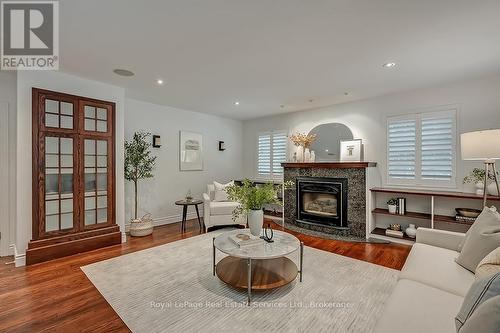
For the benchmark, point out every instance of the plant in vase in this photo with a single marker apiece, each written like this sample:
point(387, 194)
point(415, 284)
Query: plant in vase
point(252, 199)
point(139, 164)
point(304, 141)
point(392, 205)
point(476, 177)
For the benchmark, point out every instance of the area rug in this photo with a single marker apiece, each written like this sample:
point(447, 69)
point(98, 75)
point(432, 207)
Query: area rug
point(170, 288)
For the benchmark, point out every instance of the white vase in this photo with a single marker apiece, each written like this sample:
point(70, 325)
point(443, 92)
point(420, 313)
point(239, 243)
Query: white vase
point(300, 154)
point(492, 189)
point(411, 231)
point(479, 188)
point(307, 155)
point(392, 209)
point(313, 156)
point(255, 221)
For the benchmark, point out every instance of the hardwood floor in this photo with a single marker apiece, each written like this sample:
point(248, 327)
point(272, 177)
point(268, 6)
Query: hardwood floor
point(56, 296)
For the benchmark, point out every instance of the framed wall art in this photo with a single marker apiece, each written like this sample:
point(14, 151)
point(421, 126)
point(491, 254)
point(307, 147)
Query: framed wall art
point(190, 151)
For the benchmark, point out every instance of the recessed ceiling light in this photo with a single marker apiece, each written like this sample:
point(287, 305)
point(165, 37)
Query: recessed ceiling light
point(123, 72)
point(389, 64)
point(236, 103)
point(159, 81)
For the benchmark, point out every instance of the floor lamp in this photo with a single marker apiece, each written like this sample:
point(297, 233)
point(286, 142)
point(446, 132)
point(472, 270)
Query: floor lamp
point(482, 146)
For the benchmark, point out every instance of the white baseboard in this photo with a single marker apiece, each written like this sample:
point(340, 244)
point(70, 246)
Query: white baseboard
point(19, 258)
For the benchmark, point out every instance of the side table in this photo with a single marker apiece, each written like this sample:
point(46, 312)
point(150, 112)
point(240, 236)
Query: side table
point(185, 204)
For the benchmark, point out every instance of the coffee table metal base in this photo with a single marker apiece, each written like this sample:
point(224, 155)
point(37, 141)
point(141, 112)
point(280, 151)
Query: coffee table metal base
point(257, 274)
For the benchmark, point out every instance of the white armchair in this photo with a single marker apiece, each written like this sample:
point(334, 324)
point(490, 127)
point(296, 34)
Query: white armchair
point(219, 212)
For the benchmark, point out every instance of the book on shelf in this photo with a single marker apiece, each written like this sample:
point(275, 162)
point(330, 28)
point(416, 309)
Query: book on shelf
point(401, 206)
point(394, 233)
point(243, 240)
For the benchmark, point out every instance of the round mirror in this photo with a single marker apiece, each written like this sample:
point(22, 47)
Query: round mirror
point(328, 137)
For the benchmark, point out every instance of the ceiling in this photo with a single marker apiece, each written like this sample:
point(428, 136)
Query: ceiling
point(276, 56)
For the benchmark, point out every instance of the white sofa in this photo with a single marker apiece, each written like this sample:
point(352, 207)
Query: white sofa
point(217, 213)
point(431, 286)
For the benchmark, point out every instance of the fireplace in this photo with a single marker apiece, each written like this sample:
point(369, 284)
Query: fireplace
point(322, 201)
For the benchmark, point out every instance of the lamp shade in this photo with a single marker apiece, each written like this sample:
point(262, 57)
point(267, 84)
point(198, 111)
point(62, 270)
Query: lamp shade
point(481, 145)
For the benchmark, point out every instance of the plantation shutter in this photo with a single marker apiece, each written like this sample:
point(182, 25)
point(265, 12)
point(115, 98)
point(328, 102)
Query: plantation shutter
point(271, 153)
point(402, 148)
point(279, 143)
point(437, 147)
point(264, 155)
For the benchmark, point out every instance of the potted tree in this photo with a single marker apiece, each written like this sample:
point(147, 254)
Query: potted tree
point(252, 199)
point(139, 164)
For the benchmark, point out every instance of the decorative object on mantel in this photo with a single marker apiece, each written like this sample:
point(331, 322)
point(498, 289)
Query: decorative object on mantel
point(222, 146)
point(392, 205)
point(313, 157)
point(411, 231)
point(330, 165)
point(327, 145)
point(351, 150)
point(191, 151)
point(156, 141)
point(304, 141)
point(482, 146)
point(139, 164)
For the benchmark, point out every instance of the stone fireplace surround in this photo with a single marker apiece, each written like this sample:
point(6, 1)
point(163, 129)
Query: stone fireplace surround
point(354, 172)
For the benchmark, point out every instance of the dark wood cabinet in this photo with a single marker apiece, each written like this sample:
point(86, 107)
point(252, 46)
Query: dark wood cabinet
point(73, 175)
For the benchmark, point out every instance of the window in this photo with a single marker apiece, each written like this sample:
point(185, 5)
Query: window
point(271, 152)
point(421, 149)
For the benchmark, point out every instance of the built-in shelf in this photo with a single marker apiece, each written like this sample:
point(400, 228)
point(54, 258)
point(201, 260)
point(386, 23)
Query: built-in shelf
point(422, 216)
point(378, 220)
point(447, 194)
point(381, 232)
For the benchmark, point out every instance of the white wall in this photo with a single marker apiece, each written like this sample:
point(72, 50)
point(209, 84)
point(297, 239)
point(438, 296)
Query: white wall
point(157, 195)
point(66, 83)
point(479, 108)
point(8, 82)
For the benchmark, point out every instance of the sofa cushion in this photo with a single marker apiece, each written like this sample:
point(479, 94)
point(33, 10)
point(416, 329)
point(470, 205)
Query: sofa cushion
point(221, 191)
point(211, 191)
point(485, 319)
point(436, 267)
point(489, 265)
point(416, 307)
point(482, 238)
point(222, 207)
point(481, 291)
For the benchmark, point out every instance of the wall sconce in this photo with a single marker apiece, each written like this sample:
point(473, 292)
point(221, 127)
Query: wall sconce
point(156, 141)
point(222, 146)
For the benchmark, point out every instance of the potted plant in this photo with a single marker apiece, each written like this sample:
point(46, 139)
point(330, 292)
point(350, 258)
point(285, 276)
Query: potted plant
point(252, 199)
point(139, 165)
point(476, 177)
point(392, 204)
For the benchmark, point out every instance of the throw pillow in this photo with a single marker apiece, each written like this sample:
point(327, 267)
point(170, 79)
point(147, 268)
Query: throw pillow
point(479, 293)
point(489, 265)
point(485, 319)
point(221, 191)
point(482, 238)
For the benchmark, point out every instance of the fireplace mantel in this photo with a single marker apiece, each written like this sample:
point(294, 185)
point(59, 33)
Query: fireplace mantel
point(330, 165)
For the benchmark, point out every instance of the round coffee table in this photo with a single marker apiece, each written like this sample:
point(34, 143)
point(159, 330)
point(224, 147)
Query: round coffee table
point(258, 267)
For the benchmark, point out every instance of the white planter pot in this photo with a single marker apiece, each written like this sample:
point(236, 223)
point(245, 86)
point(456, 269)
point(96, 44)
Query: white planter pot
point(392, 209)
point(411, 231)
point(480, 188)
point(139, 228)
point(255, 221)
point(492, 189)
